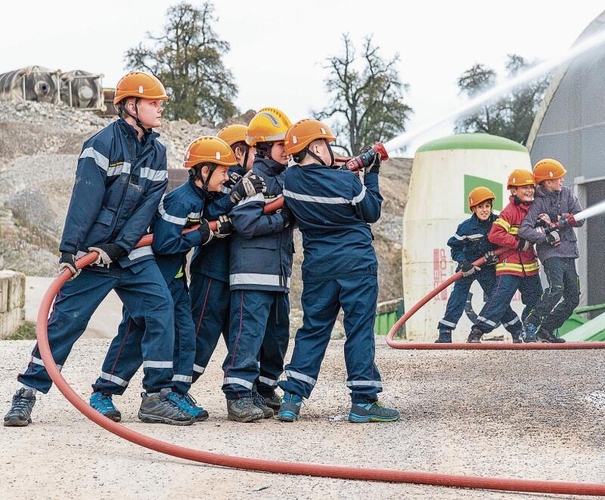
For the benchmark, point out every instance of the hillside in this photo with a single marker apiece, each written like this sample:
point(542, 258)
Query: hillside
point(39, 144)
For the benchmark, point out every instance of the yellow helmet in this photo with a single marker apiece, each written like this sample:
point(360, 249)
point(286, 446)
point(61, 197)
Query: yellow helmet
point(233, 134)
point(139, 84)
point(268, 125)
point(479, 195)
point(303, 133)
point(209, 149)
point(548, 169)
point(520, 177)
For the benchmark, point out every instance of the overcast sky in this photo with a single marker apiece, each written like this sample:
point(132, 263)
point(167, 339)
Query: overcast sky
point(279, 48)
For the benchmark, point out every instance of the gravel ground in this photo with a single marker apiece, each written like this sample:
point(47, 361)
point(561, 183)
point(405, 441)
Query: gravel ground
point(505, 414)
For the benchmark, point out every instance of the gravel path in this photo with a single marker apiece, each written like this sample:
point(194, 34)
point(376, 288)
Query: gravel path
point(509, 414)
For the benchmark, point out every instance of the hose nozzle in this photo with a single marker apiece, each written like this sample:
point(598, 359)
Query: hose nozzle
point(366, 158)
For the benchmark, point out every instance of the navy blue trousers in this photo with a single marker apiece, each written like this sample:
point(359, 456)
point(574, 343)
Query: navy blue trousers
point(258, 341)
point(145, 297)
point(321, 302)
point(210, 300)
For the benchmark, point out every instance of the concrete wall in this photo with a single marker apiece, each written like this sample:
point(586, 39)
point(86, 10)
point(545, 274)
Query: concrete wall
point(12, 302)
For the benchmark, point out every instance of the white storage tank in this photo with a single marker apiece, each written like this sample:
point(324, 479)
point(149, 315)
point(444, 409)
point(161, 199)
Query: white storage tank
point(444, 172)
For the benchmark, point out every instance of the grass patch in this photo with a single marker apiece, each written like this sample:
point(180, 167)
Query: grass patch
point(27, 331)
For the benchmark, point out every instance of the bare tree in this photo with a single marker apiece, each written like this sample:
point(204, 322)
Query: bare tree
point(366, 104)
point(187, 58)
point(511, 116)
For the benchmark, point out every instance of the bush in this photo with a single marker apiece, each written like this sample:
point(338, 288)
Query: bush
point(27, 331)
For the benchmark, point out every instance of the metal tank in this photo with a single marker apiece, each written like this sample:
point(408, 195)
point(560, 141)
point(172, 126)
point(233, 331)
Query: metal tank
point(82, 90)
point(33, 83)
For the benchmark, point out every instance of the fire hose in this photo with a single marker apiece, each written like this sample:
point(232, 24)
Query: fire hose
point(260, 465)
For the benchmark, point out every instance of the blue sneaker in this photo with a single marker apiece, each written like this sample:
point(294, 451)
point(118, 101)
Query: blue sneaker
point(102, 402)
point(529, 333)
point(372, 412)
point(186, 403)
point(290, 407)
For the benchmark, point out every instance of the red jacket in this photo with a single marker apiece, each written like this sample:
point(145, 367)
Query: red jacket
point(504, 233)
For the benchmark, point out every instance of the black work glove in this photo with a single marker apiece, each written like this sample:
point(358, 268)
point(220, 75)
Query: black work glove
point(206, 233)
point(108, 253)
point(224, 227)
point(68, 261)
point(523, 245)
point(374, 166)
point(249, 185)
point(553, 238)
point(287, 215)
point(490, 259)
point(468, 268)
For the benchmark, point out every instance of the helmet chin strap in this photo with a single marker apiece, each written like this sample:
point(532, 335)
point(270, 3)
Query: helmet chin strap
point(319, 160)
point(136, 116)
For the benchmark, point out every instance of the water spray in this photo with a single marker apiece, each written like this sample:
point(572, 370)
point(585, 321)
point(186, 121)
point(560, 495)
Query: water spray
point(521, 79)
point(597, 209)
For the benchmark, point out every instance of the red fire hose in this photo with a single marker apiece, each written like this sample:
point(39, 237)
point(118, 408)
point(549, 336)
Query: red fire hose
point(317, 470)
point(404, 344)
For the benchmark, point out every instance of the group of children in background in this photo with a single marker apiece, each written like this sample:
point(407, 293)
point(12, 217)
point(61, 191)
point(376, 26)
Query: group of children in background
point(540, 214)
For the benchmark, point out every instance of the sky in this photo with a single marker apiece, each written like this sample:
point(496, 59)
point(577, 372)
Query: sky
point(278, 49)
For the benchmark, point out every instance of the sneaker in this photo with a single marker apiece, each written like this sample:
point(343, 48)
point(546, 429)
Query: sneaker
point(101, 401)
point(546, 336)
point(21, 409)
point(290, 407)
point(475, 336)
point(445, 337)
point(372, 412)
point(516, 339)
point(259, 402)
point(273, 401)
point(529, 333)
point(161, 408)
point(189, 405)
point(243, 409)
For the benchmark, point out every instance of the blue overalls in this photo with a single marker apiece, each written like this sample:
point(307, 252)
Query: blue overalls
point(260, 267)
point(209, 286)
point(178, 210)
point(334, 211)
point(119, 183)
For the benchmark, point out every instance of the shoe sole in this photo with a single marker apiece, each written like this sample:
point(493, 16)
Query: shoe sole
point(363, 419)
point(202, 416)
point(17, 423)
point(116, 417)
point(246, 419)
point(287, 416)
point(154, 419)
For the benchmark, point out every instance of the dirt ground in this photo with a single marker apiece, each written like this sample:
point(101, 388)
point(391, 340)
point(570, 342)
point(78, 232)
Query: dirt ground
point(493, 414)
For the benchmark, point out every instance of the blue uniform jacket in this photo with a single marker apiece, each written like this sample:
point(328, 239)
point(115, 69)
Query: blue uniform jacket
point(334, 211)
point(261, 248)
point(212, 260)
point(119, 183)
point(470, 241)
point(554, 204)
point(179, 209)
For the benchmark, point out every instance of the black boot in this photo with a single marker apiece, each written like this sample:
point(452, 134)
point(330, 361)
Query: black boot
point(445, 337)
point(475, 336)
point(546, 336)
